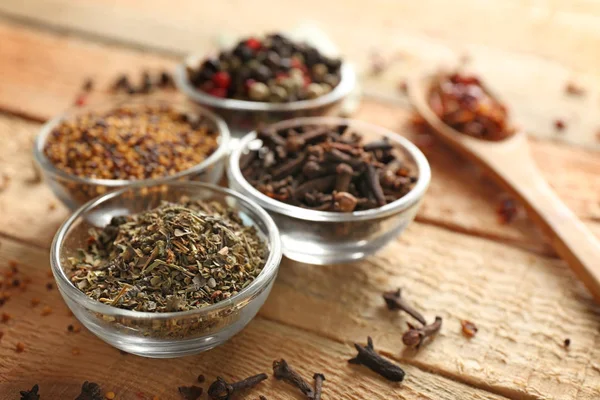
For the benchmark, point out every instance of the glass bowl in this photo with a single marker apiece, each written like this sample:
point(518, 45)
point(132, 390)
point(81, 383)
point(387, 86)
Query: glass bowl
point(322, 237)
point(74, 190)
point(242, 116)
point(173, 334)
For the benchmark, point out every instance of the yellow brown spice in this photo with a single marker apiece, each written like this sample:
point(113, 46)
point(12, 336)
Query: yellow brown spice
point(131, 142)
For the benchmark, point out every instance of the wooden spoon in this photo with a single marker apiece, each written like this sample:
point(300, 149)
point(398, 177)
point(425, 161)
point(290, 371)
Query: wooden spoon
point(510, 163)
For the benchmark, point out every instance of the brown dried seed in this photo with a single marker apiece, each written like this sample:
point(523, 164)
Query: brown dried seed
point(13, 264)
point(469, 329)
point(47, 310)
point(574, 89)
point(20, 347)
point(6, 317)
point(35, 301)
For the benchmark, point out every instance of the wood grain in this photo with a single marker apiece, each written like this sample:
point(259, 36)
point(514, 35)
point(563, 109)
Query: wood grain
point(43, 74)
point(510, 163)
point(525, 306)
point(48, 358)
point(548, 43)
point(459, 198)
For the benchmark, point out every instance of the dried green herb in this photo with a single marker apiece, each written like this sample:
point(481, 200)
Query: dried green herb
point(90, 391)
point(175, 257)
point(190, 392)
point(31, 394)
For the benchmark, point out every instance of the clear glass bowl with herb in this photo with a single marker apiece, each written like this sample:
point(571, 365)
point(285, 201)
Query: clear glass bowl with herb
point(75, 189)
point(162, 334)
point(315, 236)
point(242, 116)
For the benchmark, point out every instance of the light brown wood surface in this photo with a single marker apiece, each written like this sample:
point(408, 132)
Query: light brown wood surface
point(456, 261)
point(509, 162)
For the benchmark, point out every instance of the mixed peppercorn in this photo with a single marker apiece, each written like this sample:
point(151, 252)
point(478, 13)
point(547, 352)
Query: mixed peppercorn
point(274, 69)
point(131, 142)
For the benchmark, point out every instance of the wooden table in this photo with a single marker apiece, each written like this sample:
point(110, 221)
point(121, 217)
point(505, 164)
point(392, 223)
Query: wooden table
point(456, 261)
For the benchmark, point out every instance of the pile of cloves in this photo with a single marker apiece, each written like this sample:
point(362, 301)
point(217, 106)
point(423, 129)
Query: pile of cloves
point(327, 168)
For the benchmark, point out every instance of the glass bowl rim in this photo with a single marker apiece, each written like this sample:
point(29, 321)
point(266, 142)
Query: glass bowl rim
point(399, 205)
point(267, 274)
point(49, 168)
point(343, 88)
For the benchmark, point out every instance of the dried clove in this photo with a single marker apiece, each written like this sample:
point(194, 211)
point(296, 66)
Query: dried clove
point(368, 357)
point(282, 371)
point(90, 391)
point(344, 177)
point(318, 160)
point(415, 336)
point(319, 378)
point(190, 392)
point(30, 394)
point(221, 390)
point(394, 301)
point(375, 185)
point(88, 85)
point(166, 80)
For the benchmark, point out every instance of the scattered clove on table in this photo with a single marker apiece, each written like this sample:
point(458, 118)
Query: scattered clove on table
point(415, 336)
point(221, 390)
point(30, 394)
point(368, 357)
point(319, 379)
point(282, 371)
point(394, 301)
point(90, 391)
point(190, 392)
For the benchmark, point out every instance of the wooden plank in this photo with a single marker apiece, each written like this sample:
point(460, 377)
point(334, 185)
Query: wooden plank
point(48, 358)
point(524, 305)
point(547, 45)
point(28, 210)
point(43, 73)
point(458, 198)
point(548, 29)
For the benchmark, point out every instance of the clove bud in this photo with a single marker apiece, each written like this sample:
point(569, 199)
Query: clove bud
point(221, 390)
point(415, 337)
point(282, 371)
point(376, 363)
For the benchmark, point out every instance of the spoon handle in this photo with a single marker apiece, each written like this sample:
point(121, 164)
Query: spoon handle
point(571, 239)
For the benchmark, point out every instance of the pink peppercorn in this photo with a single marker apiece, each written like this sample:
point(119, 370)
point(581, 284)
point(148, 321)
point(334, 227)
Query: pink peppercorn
point(218, 92)
point(222, 79)
point(253, 43)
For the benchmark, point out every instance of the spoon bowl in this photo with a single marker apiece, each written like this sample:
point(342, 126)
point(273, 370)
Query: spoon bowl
point(509, 162)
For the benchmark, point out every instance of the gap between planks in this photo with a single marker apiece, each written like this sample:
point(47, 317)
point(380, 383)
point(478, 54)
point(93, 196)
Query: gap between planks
point(463, 380)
